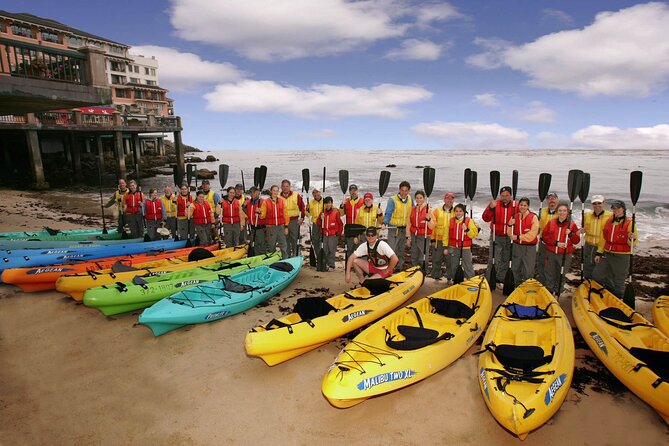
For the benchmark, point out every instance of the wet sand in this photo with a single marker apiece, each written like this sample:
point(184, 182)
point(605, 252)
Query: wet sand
point(69, 375)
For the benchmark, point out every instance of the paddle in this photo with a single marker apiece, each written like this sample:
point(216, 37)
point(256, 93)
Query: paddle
point(321, 252)
point(472, 192)
point(574, 181)
point(509, 279)
point(256, 176)
point(428, 183)
point(305, 187)
point(178, 175)
point(102, 205)
point(223, 170)
point(262, 176)
point(544, 186)
point(636, 178)
point(494, 190)
point(468, 179)
point(459, 275)
point(343, 181)
point(243, 182)
point(583, 195)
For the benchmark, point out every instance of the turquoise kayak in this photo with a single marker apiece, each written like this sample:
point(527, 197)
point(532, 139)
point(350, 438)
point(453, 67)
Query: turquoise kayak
point(71, 234)
point(220, 298)
point(144, 291)
point(14, 244)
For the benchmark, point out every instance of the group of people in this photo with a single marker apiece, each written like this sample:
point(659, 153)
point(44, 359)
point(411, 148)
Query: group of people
point(532, 245)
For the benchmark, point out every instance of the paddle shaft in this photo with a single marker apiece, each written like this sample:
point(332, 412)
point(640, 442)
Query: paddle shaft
point(102, 206)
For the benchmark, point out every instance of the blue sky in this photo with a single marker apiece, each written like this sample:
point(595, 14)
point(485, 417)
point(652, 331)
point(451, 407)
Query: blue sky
point(330, 74)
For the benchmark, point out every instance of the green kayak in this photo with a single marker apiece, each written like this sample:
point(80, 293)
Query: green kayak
point(144, 291)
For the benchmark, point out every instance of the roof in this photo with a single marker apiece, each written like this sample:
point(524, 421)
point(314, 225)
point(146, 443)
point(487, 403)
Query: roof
point(30, 18)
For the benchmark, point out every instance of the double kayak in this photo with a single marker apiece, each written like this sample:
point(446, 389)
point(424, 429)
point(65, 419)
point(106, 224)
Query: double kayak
point(41, 278)
point(526, 364)
point(634, 350)
point(22, 258)
point(221, 298)
point(143, 292)
point(409, 345)
point(70, 234)
point(49, 244)
point(661, 314)
point(315, 321)
point(76, 284)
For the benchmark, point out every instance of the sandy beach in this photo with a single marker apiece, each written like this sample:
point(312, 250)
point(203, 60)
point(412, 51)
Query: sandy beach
point(70, 376)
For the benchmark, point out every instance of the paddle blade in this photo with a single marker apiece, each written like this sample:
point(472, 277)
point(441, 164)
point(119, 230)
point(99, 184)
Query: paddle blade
point(323, 180)
point(312, 257)
point(459, 276)
point(585, 187)
point(428, 180)
point(252, 250)
point(472, 184)
point(384, 181)
point(635, 186)
point(223, 171)
point(305, 180)
point(514, 183)
point(509, 283)
point(494, 183)
point(321, 260)
point(574, 183)
point(256, 176)
point(492, 280)
point(262, 176)
point(544, 185)
point(243, 182)
point(189, 173)
point(177, 175)
point(628, 297)
point(468, 179)
point(343, 181)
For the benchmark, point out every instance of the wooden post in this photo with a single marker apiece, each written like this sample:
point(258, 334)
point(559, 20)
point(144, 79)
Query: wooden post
point(32, 140)
point(120, 156)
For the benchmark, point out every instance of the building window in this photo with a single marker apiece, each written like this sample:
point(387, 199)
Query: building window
point(117, 66)
point(23, 31)
point(139, 94)
point(115, 49)
point(136, 69)
point(146, 71)
point(94, 43)
point(134, 80)
point(121, 93)
point(118, 80)
point(153, 71)
point(153, 83)
point(50, 37)
point(74, 41)
point(3, 28)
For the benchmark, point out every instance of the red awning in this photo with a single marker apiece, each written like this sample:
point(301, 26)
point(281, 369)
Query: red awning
point(92, 110)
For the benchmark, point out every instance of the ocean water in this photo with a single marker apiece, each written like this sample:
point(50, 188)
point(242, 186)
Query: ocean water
point(609, 173)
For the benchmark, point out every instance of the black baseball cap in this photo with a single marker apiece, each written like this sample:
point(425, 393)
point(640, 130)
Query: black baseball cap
point(506, 189)
point(371, 231)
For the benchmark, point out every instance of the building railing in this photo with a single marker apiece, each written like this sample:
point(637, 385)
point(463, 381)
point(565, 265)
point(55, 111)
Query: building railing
point(80, 119)
point(40, 62)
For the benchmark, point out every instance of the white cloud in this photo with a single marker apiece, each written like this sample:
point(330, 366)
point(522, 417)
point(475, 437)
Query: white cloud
point(414, 49)
point(473, 135)
point(384, 100)
point(427, 14)
point(606, 137)
point(487, 100)
point(557, 16)
point(322, 133)
point(287, 29)
point(537, 112)
point(622, 53)
point(186, 71)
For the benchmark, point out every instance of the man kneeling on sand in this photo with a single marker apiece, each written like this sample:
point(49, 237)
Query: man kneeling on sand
point(381, 259)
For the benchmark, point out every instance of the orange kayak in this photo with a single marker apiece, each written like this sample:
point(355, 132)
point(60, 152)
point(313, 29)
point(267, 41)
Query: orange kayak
point(41, 278)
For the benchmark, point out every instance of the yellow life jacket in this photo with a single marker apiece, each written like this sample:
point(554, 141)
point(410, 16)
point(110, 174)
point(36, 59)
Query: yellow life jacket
point(545, 217)
point(169, 205)
point(594, 226)
point(367, 217)
point(118, 197)
point(291, 205)
point(442, 217)
point(401, 212)
point(315, 209)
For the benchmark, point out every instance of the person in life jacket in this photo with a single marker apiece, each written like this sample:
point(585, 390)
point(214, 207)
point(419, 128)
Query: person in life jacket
point(154, 214)
point(256, 208)
point(593, 230)
point(439, 237)
point(396, 219)
point(461, 231)
point(350, 208)
point(212, 197)
point(117, 199)
point(523, 230)
point(132, 208)
point(232, 218)
point(614, 249)
point(203, 218)
point(296, 211)
point(380, 262)
point(420, 225)
point(184, 201)
point(498, 213)
point(560, 235)
point(314, 209)
point(240, 195)
point(276, 222)
point(331, 229)
point(169, 201)
point(369, 215)
point(546, 214)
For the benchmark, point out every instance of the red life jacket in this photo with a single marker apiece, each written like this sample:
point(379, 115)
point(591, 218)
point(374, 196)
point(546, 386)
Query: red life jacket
point(376, 259)
point(351, 210)
point(275, 212)
point(456, 235)
point(502, 214)
point(555, 232)
point(251, 207)
point(153, 210)
point(181, 204)
point(616, 236)
point(522, 226)
point(202, 213)
point(230, 211)
point(418, 222)
point(331, 222)
point(133, 202)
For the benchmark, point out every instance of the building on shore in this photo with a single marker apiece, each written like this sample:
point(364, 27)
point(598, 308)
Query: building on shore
point(70, 98)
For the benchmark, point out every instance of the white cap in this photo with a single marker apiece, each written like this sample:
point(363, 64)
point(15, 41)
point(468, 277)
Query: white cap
point(597, 199)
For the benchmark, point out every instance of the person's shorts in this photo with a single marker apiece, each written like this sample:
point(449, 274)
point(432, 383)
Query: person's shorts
point(386, 272)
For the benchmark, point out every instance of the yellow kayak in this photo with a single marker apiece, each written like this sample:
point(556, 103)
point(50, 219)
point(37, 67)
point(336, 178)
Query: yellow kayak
point(661, 314)
point(527, 360)
point(76, 285)
point(634, 350)
point(410, 344)
point(317, 321)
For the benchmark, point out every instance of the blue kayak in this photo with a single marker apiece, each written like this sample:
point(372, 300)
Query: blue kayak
point(64, 234)
point(50, 244)
point(220, 298)
point(22, 258)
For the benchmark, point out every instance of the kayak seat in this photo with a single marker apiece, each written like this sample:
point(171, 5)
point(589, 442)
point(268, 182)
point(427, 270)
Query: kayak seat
point(312, 307)
point(199, 254)
point(377, 286)
point(616, 314)
point(119, 267)
point(655, 360)
point(527, 311)
point(236, 287)
point(415, 337)
point(520, 357)
point(282, 266)
point(453, 309)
